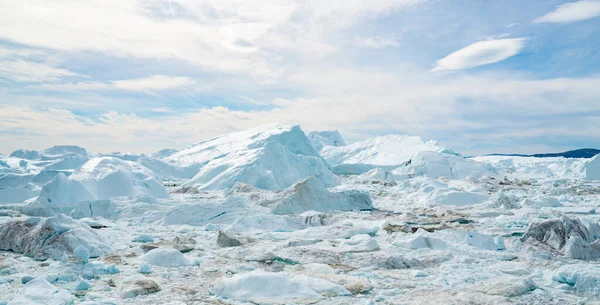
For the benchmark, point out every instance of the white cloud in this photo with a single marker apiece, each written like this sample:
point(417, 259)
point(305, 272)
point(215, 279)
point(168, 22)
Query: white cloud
point(153, 83)
point(571, 12)
point(377, 42)
point(363, 102)
point(146, 84)
point(29, 71)
point(233, 36)
point(481, 53)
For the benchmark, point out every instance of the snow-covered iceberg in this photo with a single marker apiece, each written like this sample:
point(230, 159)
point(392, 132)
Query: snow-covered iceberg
point(270, 157)
point(592, 168)
point(389, 152)
point(311, 194)
point(320, 139)
point(100, 178)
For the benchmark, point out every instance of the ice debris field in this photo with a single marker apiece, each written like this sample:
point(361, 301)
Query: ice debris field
point(271, 215)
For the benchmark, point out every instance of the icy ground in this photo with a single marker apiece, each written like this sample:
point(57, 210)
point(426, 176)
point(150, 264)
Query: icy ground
point(258, 217)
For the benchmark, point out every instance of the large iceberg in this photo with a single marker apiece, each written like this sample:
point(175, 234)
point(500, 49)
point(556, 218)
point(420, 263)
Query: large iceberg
point(388, 151)
point(435, 164)
point(311, 195)
point(592, 168)
point(52, 237)
point(270, 157)
point(564, 236)
point(320, 139)
point(100, 178)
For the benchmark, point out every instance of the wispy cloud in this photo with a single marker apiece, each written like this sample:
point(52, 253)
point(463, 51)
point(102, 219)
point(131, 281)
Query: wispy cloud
point(481, 53)
point(29, 71)
point(429, 107)
point(377, 42)
point(572, 12)
point(152, 83)
point(146, 84)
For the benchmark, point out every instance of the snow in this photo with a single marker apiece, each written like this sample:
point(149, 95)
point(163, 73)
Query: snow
point(165, 257)
point(270, 157)
point(320, 139)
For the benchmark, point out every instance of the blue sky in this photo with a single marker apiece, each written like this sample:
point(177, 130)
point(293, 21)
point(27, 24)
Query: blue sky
point(141, 75)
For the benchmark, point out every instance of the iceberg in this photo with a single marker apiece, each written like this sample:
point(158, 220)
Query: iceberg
point(52, 237)
point(270, 157)
point(99, 178)
point(320, 139)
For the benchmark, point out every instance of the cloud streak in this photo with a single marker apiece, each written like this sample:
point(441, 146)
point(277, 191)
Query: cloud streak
point(481, 53)
point(572, 12)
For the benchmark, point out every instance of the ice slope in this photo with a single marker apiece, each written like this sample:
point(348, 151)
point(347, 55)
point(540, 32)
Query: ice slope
point(166, 171)
point(271, 157)
point(311, 195)
point(319, 139)
point(592, 168)
point(546, 168)
point(52, 237)
point(434, 165)
point(384, 151)
point(99, 178)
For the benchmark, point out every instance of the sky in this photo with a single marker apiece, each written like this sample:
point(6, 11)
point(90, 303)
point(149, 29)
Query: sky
point(479, 76)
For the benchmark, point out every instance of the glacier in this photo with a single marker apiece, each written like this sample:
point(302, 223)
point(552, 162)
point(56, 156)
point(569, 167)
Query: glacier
point(271, 215)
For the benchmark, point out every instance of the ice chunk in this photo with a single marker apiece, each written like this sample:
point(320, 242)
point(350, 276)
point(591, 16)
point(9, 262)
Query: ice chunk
point(484, 241)
point(266, 287)
point(423, 239)
point(542, 202)
point(145, 269)
point(51, 237)
point(144, 238)
point(165, 257)
point(312, 195)
point(138, 285)
point(584, 278)
point(39, 291)
point(82, 284)
point(81, 253)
